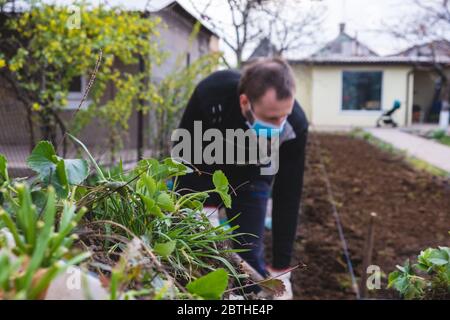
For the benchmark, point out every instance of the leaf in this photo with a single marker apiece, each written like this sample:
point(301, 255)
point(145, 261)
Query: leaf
point(446, 251)
point(97, 168)
point(221, 183)
point(176, 168)
point(3, 169)
point(165, 202)
point(276, 286)
point(77, 170)
point(61, 183)
point(165, 249)
point(438, 261)
point(393, 276)
point(210, 286)
point(150, 184)
point(43, 159)
point(151, 207)
point(54, 170)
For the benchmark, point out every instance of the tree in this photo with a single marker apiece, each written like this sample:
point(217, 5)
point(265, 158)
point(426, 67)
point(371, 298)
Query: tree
point(289, 24)
point(49, 45)
point(172, 94)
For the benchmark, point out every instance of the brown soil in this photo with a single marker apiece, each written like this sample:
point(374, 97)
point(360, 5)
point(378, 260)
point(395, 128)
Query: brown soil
point(413, 211)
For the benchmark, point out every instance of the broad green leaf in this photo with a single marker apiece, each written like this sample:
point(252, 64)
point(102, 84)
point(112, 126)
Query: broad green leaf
point(97, 168)
point(393, 276)
point(210, 286)
point(51, 169)
point(438, 261)
point(165, 202)
point(446, 251)
point(176, 168)
point(165, 249)
point(151, 207)
point(221, 183)
point(150, 184)
point(77, 170)
point(43, 159)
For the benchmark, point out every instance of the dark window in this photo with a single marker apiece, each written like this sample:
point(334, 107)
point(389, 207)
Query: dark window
point(75, 84)
point(362, 90)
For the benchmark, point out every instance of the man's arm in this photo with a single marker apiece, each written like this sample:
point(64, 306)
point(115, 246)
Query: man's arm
point(286, 194)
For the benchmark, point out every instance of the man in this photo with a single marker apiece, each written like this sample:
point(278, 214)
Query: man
point(260, 100)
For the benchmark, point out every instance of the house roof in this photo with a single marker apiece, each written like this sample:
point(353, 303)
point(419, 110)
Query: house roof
point(149, 6)
point(437, 48)
point(345, 50)
point(264, 49)
point(344, 45)
point(377, 60)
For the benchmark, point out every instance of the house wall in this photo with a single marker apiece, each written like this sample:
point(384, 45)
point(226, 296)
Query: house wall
point(324, 103)
point(175, 32)
point(303, 77)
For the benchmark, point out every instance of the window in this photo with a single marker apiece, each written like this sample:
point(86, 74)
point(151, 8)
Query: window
point(362, 91)
point(76, 92)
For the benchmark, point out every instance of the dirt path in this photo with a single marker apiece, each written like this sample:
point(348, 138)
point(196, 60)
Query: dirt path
point(413, 213)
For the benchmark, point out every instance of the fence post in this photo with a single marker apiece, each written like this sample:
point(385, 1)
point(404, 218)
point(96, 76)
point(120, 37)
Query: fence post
point(368, 249)
point(140, 117)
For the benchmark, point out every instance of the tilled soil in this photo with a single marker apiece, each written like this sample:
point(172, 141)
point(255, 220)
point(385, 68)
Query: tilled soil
point(413, 212)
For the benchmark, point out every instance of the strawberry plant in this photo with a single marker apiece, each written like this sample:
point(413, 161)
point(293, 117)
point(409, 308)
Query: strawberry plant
point(429, 278)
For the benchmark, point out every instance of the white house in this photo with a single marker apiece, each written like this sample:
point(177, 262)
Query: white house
point(347, 84)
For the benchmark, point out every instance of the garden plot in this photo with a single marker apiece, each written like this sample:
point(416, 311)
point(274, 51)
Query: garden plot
point(413, 211)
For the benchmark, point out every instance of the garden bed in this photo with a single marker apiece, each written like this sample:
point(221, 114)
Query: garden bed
point(413, 213)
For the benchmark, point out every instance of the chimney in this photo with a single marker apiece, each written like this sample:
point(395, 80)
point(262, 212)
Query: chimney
point(342, 27)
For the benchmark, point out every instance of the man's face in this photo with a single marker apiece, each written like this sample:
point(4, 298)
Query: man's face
point(268, 108)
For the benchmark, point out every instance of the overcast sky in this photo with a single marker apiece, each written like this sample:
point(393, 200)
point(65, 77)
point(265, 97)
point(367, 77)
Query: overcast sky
point(363, 18)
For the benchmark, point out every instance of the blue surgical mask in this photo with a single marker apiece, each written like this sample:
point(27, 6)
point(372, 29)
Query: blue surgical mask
point(262, 128)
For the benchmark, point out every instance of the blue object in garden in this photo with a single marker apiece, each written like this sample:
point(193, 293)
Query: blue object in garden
point(169, 184)
point(268, 223)
point(224, 224)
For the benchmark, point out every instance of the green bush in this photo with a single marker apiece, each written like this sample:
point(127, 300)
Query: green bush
point(429, 278)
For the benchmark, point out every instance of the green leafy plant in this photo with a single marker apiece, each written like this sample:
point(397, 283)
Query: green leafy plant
point(41, 249)
point(429, 278)
point(56, 171)
point(171, 223)
point(438, 134)
point(135, 217)
point(210, 286)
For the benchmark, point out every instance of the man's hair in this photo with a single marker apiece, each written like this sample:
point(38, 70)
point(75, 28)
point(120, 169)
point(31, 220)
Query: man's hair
point(264, 74)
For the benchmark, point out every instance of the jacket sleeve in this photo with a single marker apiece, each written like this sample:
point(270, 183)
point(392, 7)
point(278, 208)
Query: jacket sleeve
point(286, 194)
